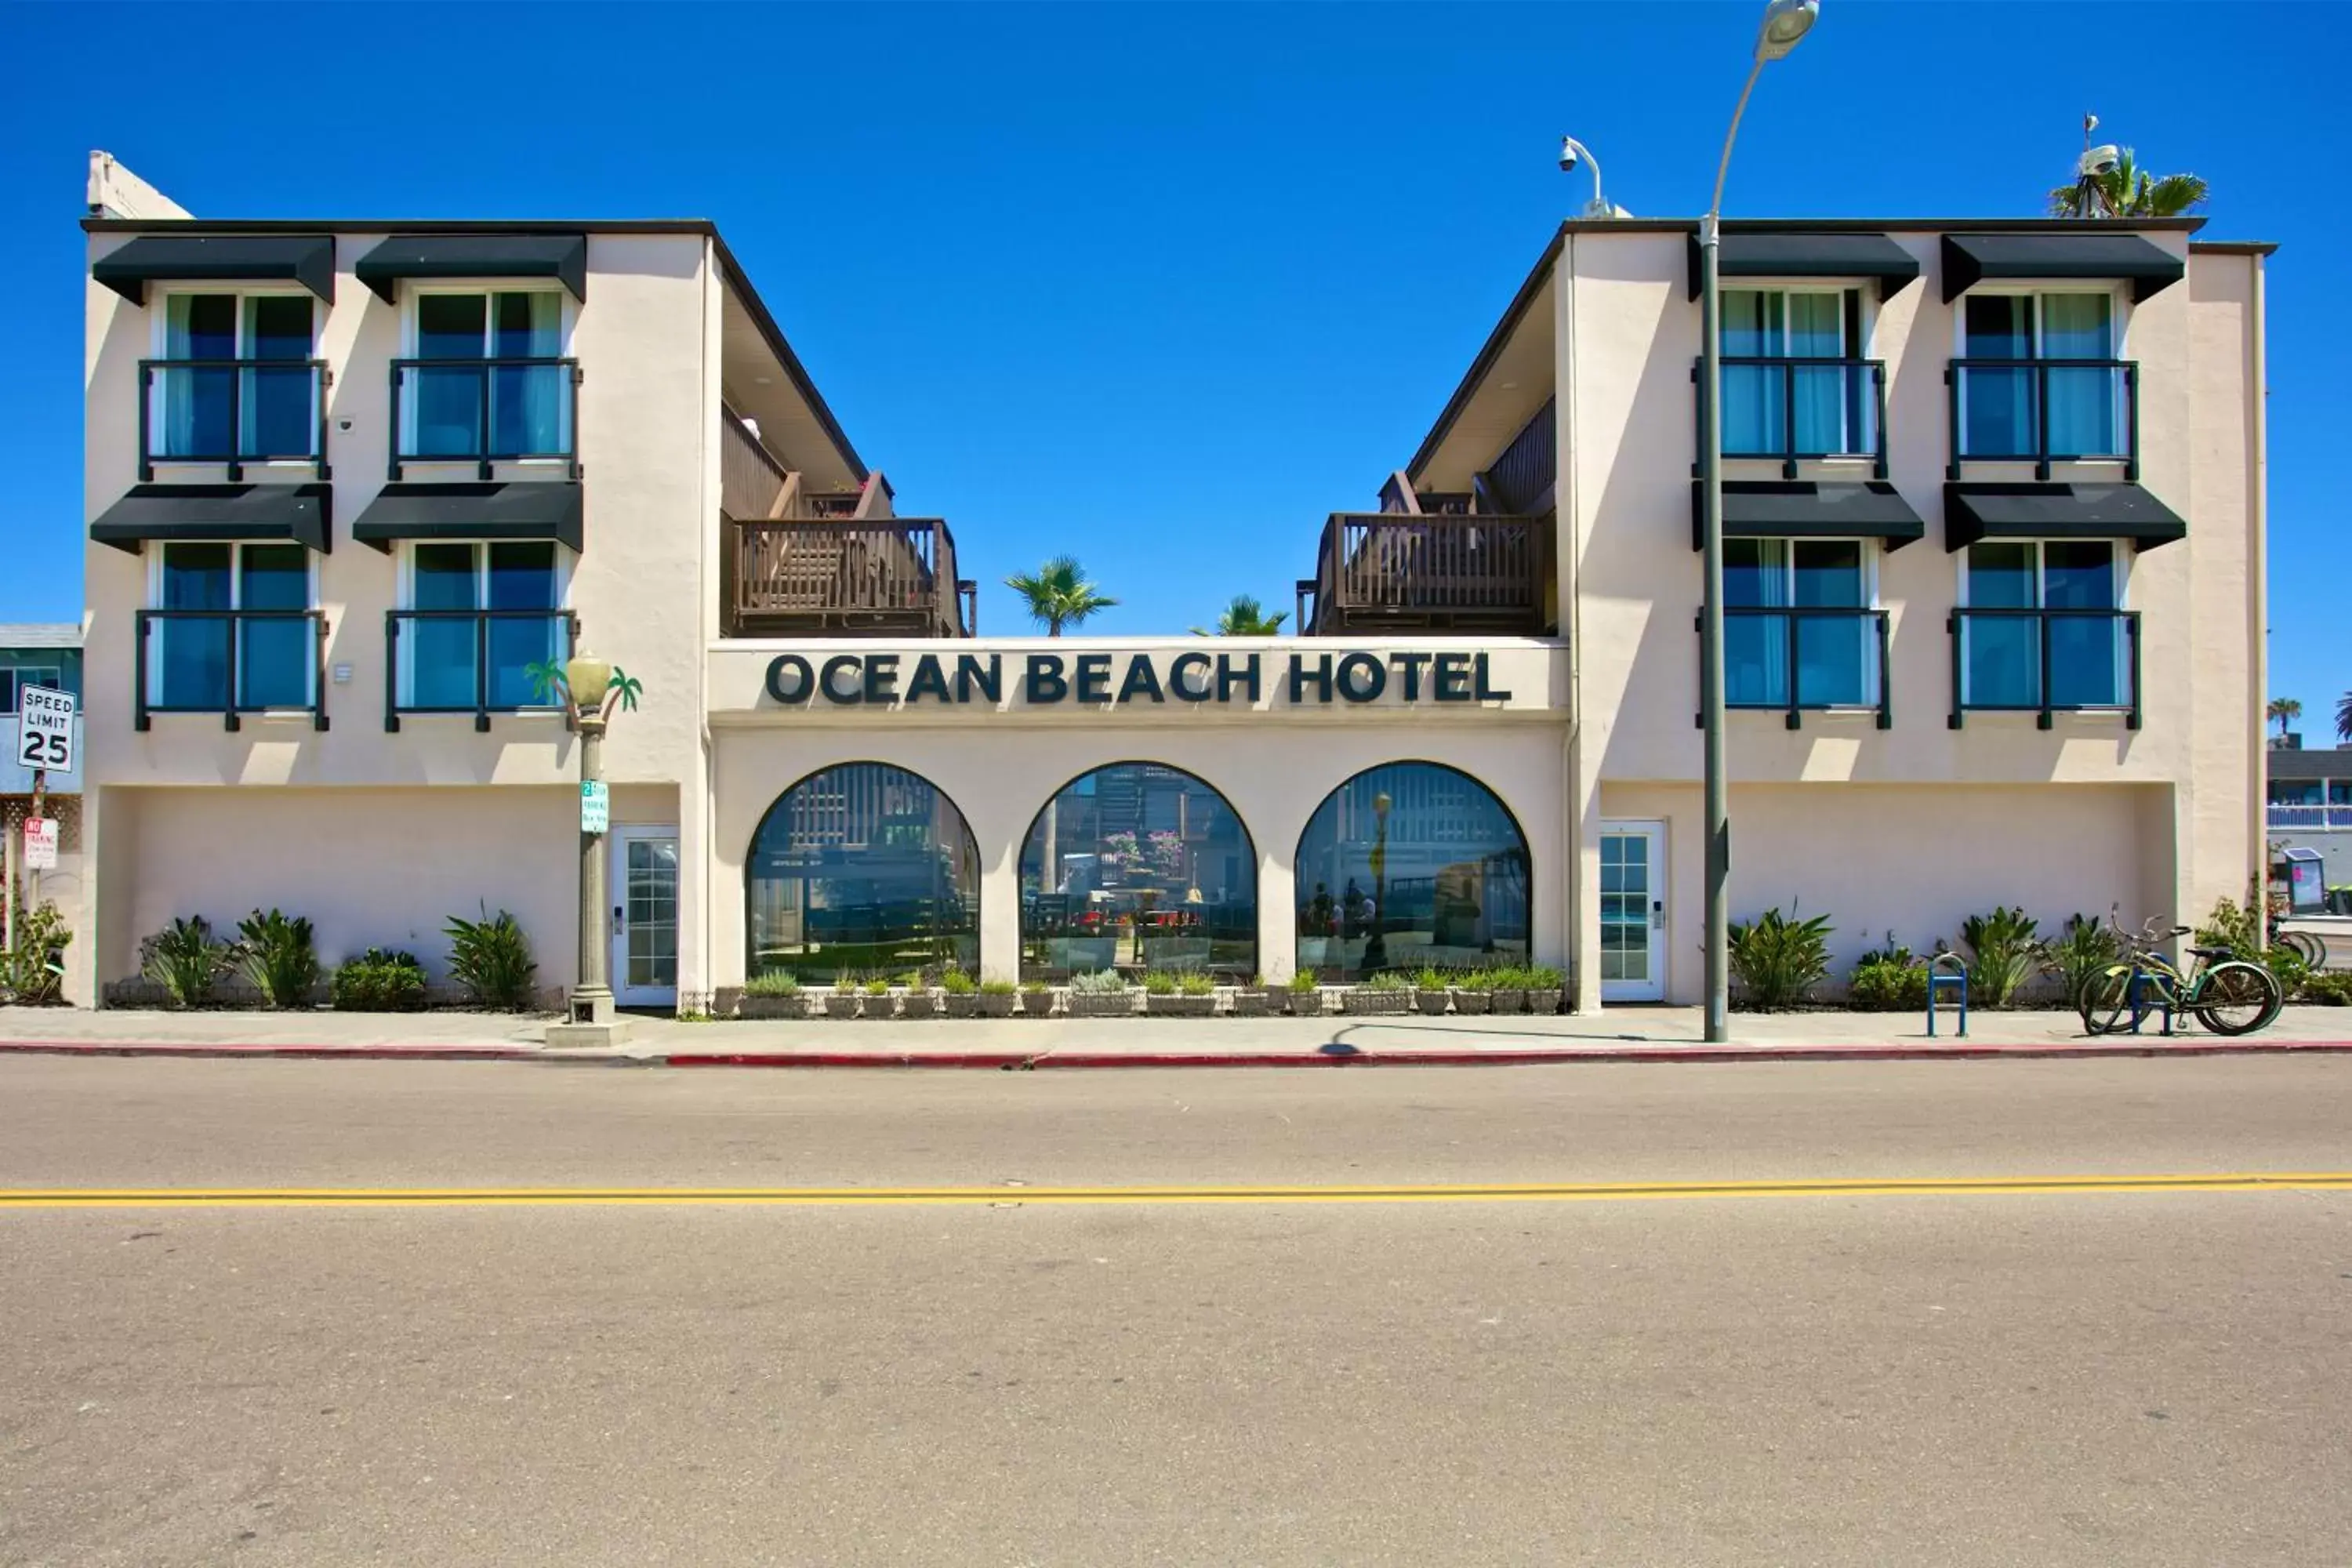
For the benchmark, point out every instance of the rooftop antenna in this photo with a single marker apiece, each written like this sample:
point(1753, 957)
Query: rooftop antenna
point(2092, 169)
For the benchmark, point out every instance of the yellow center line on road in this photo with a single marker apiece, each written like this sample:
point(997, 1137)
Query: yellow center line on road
point(886, 1197)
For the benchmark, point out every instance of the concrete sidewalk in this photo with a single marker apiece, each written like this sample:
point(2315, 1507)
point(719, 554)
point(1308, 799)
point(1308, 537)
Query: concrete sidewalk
point(1643, 1034)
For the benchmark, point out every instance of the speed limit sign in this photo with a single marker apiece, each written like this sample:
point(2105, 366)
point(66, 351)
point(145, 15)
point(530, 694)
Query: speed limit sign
point(45, 733)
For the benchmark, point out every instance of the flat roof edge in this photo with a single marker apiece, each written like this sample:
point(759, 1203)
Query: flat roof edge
point(2233, 248)
point(1890, 226)
point(397, 226)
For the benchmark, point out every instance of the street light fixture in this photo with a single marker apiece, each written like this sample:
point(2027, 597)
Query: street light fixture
point(1786, 22)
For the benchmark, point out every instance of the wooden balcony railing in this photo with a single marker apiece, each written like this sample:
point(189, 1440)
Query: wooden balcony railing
point(879, 577)
point(750, 479)
point(1377, 571)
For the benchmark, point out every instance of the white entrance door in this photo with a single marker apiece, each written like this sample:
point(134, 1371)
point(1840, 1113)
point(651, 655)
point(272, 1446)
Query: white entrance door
point(1633, 911)
point(644, 916)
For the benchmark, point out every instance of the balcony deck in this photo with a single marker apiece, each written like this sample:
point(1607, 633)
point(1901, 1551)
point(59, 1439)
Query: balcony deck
point(1419, 571)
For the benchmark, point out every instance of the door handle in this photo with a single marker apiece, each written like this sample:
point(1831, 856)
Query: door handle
point(1658, 913)
point(620, 917)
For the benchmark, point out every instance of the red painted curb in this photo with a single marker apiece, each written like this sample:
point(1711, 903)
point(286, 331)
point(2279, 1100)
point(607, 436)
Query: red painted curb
point(1025, 1061)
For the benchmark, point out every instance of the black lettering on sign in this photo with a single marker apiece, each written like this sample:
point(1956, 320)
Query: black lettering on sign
point(1410, 666)
point(1044, 683)
point(831, 690)
point(988, 678)
point(1453, 677)
point(881, 677)
point(930, 679)
point(1142, 680)
point(1300, 676)
point(1184, 691)
point(1094, 678)
point(790, 679)
point(1484, 688)
point(1229, 677)
point(1362, 677)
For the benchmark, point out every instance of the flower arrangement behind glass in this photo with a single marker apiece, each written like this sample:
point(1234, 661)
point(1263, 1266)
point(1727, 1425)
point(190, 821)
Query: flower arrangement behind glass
point(1118, 848)
point(1167, 852)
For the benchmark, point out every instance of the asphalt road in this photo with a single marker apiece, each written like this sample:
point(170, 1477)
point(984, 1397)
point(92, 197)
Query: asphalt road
point(2109, 1379)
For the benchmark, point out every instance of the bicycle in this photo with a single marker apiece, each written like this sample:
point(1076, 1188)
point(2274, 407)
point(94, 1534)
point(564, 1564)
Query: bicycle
point(2304, 944)
point(2226, 993)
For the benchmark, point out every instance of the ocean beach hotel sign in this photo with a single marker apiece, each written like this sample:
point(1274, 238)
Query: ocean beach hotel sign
point(1145, 678)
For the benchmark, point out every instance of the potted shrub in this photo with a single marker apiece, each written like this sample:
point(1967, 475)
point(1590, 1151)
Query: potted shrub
point(996, 999)
point(877, 997)
point(1100, 993)
point(1304, 995)
point(916, 1002)
point(1429, 992)
point(1251, 1001)
point(1384, 993)
point(378, 981)
point(1036, 999)
point(185, 960)
point(277, 957)
point(1474, 994)
point(1546, 989)
point(1508, 988)
point(774, 995)
point(960, 995)
point(840, 1002)
point(1188, 996)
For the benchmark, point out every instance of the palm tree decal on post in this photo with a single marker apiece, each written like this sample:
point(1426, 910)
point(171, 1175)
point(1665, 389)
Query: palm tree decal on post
point(2119, 187)
point(1244, 617)
point(1058, 594)
point(549, 684)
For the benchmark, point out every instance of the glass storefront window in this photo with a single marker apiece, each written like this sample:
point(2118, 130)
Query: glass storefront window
point(1137, 866)
point(864, 870)
point(1407, 865)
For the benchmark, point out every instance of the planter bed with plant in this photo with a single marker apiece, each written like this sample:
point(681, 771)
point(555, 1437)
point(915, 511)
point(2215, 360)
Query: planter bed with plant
point(1102, 994)
point(772, 997)
point(1188, 996)
point(1303, 997)
point(1252, 1000)
point(1036, 998)
point(1430, 994)
point(1381, 996)
point(959, 995)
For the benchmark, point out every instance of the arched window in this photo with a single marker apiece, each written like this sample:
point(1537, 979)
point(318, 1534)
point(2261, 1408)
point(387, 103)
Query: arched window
point(1137, 866)
point(1409, 865)
point(862, 868)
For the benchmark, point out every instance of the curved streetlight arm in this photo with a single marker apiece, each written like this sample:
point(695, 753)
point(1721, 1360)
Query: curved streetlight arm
point(1722, 169)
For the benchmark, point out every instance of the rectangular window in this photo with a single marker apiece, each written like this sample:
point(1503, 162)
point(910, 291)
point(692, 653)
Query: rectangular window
point(485, 399)
point(481, 646)
point(13, 678)
point(225, 587)
point(2002, 653)
point(2001, 400)
point(1795, 409)
point(1766, 584)
point(250, 393)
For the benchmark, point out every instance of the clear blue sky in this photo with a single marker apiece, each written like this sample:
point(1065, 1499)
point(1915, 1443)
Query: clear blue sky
point(1160, 287)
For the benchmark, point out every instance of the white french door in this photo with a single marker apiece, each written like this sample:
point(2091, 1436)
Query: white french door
point(644, 916)
point(1633, 911)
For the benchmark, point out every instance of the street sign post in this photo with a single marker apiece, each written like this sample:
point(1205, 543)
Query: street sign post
point(45, 737)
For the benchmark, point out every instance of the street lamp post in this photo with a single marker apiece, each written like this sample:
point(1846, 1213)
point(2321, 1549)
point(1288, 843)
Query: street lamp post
point(1785, 22)
point(587, 677)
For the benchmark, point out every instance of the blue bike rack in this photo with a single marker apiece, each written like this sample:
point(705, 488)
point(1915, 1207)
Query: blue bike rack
point(1953, 979)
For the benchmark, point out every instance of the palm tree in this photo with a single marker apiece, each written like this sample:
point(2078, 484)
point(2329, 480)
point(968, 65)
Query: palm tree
point(1059, 594)
point(2344, 719)
point(2283, 711)
point(2127, 190)
point(1245, 618)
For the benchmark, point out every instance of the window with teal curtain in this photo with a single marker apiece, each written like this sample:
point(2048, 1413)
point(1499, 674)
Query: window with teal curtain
point(2084, 400)
point(1752, 324)
point(445, 420)
point(528, 412)
point(519, 575)
point(192, 651)
point(196, 412)
point(2002, 653)
point(2085, 651)
point(442, 651)
point(275, 667)
point(279, 415)
point(1817, 330)
point(1756, 647)
point(1997, 402)
point(1837, 659)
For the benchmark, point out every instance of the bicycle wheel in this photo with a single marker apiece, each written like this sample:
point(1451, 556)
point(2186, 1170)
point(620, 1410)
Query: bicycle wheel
point(2306, 947)
point(2106, 999)
point(2237, 998)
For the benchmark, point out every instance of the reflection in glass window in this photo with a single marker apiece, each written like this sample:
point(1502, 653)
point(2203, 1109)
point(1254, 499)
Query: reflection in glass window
point(1137, 866)
point(862, 868)
point(1410, 864)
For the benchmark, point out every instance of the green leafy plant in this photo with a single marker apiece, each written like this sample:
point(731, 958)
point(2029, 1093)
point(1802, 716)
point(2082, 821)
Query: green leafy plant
point(1244, 617)
point(912, 979)
point(1001, 987)
point(773, 982)
point(1303, 981)
point(1431, 978)
point(1778, 959)
point(1477, 980)
point(2237, 927)
point(276, 954)
point(1160, 983)
point(1028, 988)
point(33, 974)
point(1544, 977)
point(1099, 983)
point(2333, 989)
point(2084, 949)
point(381, 980)
point(186, 960)
point(955, 982)
point(1057, 594)
point(1256, 982)
point(1883, 985)
point(490, 957)
point(1195, 984)
point(1388, 980)
point(878, 987)
point(2004, 950)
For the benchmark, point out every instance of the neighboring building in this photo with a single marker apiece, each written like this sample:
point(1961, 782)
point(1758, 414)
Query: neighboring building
point(48, 655)
point(2309, 805)
point(436, 454)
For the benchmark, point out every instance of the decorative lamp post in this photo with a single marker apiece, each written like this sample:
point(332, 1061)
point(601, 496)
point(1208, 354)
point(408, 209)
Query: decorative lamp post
point(1785, 23)
point(592, 689)
point(1376, 952)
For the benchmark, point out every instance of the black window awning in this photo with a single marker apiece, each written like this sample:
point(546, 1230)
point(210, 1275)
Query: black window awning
point(1976, 511)
point(1798, 254)
point(305, 259)
point(562, 256)
point(514, 508)
point(299, 514)
point(1971, 259)
point(1809, 509)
